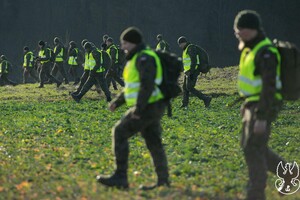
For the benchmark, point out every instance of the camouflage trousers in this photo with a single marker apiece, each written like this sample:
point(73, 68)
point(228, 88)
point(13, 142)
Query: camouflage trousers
point(259, 157)
point(150, 128)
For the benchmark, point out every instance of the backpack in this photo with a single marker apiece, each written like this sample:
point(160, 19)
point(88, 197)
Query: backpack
point(290, 69)
point(204, 59)
point(171, 67)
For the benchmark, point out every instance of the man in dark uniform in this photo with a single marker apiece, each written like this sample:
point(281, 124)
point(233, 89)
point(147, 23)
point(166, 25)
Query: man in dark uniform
point(96, 74)
point(5, 67)
point(259, 84)
point(142, 75)
point(112, 73)
point(44, 59)
point(59, 60)
point(86, 70)
point(28, 65)
point(73, 53)
point(192, 64)
point(162, 45)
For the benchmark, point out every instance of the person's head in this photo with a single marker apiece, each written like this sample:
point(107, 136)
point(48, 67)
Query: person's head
point(41, 44)
point(72, 44)
point(159, 37)
point(25, 49)
point(109, 41)
point(105, 37)
point(182, 41)
point(56, 40)
point(88, 47)
point(130, 38)
point(2, 57)
point(247, 24)
point(83, 42)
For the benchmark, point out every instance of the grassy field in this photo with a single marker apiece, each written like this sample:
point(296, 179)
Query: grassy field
point(53, 148)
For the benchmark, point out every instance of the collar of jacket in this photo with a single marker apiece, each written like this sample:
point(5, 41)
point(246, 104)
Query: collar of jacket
point(187, 44)
point(138, 48)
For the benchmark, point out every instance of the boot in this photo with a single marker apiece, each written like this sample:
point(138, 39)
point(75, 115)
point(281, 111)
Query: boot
point(76, 97)
point(207, 102)
point(158, 184)
point(118, 180)
point(58, 84)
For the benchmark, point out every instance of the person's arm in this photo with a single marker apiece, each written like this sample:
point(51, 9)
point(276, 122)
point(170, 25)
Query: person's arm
point(57, 50)
point(97, 56)
point(147, 71)
point(47, 55)
point(28, 56)
point(193, 55)
point(266, 67)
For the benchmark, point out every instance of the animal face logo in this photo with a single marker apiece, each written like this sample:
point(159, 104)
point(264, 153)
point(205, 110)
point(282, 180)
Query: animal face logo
point(288, 182)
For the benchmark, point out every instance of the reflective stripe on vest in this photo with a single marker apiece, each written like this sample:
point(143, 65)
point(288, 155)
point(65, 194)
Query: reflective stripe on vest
point(5, 70)
point(117, 52)
point(59, 56)
point(30, 60)
point(187, 60)
point(92, 61)
point(73, 59)
point(249, 84)
point(132, 79)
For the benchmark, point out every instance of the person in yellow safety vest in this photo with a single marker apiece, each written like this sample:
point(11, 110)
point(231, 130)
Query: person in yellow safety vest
point(96, 75)
point(142, 75)
point(5, 67)
point(73, 53)
point(259, 84)
point(58, 65)
point(191, 64)
point(86, 70)
point(113, 71)
point(162, 45)
point(44, 59)
point(28, 65)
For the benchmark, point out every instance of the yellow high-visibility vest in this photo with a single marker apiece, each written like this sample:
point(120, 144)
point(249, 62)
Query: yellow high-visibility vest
point(132, 79)
point(249, 84)
point(30, 60)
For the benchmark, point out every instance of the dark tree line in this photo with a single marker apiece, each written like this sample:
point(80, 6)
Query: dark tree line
point(208, 23)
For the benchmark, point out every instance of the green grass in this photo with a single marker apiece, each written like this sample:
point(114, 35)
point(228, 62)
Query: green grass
point(52, 147)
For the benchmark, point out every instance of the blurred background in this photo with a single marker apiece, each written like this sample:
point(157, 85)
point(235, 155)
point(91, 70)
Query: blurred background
point(208, 23)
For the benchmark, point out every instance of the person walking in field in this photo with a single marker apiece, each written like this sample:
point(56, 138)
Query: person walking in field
point(73, 53)
point(192, 58)
point(28, 65)
point(259, 84)
point(5, 67)
point(142, 75)
point(162, 45)
point(44, 58)
point(94, 61)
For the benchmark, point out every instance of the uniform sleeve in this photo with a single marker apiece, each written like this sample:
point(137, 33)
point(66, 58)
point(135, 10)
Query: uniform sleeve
point(266, 67)
point(28, 56)
point(147, 70)
point(193, 55)
point(57, 50)
point(96, 56)
point(113, 55)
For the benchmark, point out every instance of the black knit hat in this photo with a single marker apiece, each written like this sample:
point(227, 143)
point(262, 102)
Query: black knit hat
point(87, 45)
point(248, 19)
point(26, 48)
point(110, 39)
point(41, 43)
point(132, 35)
point(159, 36)
point(181, 39)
